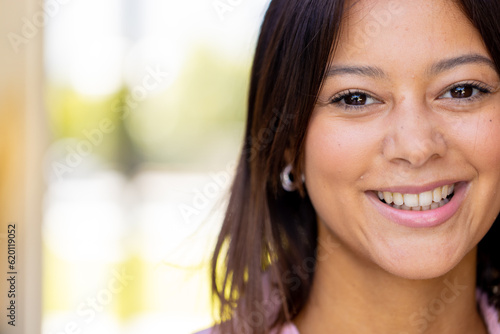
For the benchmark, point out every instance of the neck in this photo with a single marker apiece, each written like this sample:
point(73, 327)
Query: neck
point(349, 296)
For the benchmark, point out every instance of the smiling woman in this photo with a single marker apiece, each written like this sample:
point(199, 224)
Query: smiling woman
point(370, 206)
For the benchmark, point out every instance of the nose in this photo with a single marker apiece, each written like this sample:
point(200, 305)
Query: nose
point(413, 136)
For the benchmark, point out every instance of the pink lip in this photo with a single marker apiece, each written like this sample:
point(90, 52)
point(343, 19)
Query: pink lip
point(429, 218)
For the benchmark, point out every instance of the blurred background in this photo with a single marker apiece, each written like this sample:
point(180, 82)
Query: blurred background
point(135, 138)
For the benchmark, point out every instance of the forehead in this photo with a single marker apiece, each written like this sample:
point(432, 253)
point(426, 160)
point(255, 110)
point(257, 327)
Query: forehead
point(391, 32)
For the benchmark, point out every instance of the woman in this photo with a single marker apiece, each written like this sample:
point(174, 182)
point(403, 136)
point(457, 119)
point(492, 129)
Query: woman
point(367, 189)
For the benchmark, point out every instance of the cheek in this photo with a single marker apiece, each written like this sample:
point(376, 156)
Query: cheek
point(479, 138)
point(478, 141)
point(337, 151)
point(490, 135)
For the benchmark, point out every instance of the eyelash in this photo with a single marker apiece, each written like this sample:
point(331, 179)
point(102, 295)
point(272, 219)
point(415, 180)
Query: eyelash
point(338, 98)
point(482, 89)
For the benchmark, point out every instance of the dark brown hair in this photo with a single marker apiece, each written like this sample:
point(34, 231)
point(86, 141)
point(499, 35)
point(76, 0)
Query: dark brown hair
point(267, 231)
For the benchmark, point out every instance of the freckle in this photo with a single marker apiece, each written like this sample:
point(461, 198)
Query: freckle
point(490, 120)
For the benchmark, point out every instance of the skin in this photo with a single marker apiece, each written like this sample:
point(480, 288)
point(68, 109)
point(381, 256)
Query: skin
point(384, 276)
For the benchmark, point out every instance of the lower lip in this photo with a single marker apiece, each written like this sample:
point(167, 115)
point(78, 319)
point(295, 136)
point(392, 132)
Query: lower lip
point(429, 218)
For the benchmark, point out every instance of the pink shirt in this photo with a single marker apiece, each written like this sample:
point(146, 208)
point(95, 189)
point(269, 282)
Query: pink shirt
point(490, 316)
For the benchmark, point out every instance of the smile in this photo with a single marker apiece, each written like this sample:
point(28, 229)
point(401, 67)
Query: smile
point(426, 209)
point(424, 201)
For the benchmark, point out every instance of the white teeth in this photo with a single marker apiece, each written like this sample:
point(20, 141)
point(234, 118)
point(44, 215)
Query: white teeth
point(427, 200)
point(444, 192)
point(434, 205)
point(388, 197)
point(436, 194)
point(397, 198)
point(411, 199)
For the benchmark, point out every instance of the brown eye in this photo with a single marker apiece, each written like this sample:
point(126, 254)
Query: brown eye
point(462, 92)
point(356, 99)
point(466, 91)
point(353, 99)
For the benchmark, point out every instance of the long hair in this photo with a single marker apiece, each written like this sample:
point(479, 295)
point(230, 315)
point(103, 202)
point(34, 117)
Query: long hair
point(267, 232)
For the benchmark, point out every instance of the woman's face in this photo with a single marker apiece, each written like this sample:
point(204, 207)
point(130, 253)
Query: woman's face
point(409, 109)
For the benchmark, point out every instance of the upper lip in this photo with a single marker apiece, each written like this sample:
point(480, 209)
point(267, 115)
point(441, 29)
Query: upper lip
point(417, 189)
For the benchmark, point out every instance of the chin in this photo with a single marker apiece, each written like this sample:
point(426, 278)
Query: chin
point(422, 261)
point(422, 271)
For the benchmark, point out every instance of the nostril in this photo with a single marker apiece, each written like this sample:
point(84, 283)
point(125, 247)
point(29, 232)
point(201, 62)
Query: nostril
point(415, 157)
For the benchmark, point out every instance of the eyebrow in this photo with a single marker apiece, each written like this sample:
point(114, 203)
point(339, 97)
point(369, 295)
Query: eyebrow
point(368, 71)
point(439, 67)
point(448, 64)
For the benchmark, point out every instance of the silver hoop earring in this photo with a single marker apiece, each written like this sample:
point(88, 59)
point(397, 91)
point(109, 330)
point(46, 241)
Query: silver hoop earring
point(286, 180)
